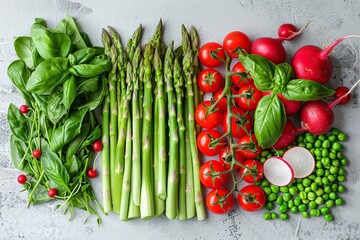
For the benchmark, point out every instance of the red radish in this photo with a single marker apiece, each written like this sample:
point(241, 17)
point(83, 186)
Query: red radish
point(286, 30)
point(278, 172)
point(52, 192)
point(291, 107)
point(91, 173)
point(21, 179)
point(270, 48)
point(36, 153)
point(287, 137)
point(24, 109)
point(339, 92)
point(301, 160)
point(312, 63)
point(97, 146)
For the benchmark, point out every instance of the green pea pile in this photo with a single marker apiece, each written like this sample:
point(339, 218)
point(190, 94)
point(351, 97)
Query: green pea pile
point(316, 194)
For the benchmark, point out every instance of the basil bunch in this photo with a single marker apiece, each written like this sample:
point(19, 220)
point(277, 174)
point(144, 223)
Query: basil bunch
point(59, 74)
point(270, 116)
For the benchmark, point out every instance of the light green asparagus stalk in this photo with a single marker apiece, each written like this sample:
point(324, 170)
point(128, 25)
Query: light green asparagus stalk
point(125, 194)
point(187, 70)
point(133, 43)
point(186, 195)
point(134, 210)
point(116, 39)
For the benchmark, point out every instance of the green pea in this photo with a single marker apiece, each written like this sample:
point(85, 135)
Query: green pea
point(280, 152)
point(309, 146)
point(319, 192)
point(267, 216)
point(269, 206)
point(325, 181)
point(318, 181)
point(332, 195)
point(317, 152)
point(339, 201)
point(314, 186)
point(301, 145)
point(305, 214)
point(267, 190)
point(302, 208)
point(326, 162)
point(264, 153)
point(337, 146)
point(331, 178)
point(332, 138)
point(334, 187)
point(325, 196)
point(317, 143)
point(294, 209)
point(334, 170)
point(341, 172)
point(341, 188)
point(283, 208)
point(272, 197)
point(309, 138)
point(325, 152)
point(274, 215)
point(311, 196)
point(274, 189)
point(341, 178)
point(293, 190)
point(327, 172)
point(283, 216)
point(335, 131)
point(302, 195)
point(335, 163)
point(286, 197)
point(339, 155)
point(306, 182)
point(321, 138)
point(305, 201)
point(299, 139)
point(332, 155)
point(265, 183)
point(262, 160)
point(312, 204)
point(324, 210)
point(300, 187)
point(297, 201)
point(341, 137)
point(329, 203)
point(344, 161)
point(329, 217)
point(326, 144)
point(284, 189)
point(314, 212)
point(327, 189)
point(318, 158)
point(279, 200)
point(290, 203)
point(319, 200)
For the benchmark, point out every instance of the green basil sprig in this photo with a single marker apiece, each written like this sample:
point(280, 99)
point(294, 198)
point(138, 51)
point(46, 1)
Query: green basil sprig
point(70, 28)
point(18, 123)
point(305, 90)
point(26, 51)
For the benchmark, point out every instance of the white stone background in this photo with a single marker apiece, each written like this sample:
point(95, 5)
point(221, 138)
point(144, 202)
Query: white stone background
point(331, 19)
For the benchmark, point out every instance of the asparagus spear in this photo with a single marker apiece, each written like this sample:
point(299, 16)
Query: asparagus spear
point(133, 43)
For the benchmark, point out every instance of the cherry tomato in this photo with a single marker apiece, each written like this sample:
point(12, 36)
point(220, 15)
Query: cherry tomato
point(250, 97)
point(97, 146)
point(249, 176)
point(208, 119)
point(52, 192)
point(286, 30)
point(209, 80)
point(36, 153)
point(339, 92)
point(204, 140)
point(21, 179)
point(213, 167)
point(252, 198)
point(235, 40)
point(225, 158)
point(91, 173)
point(240, 125)
point(250, 149)
point(222, 103)
point(24, 109)
point(238, 80)
point(217, 203)
point(206, 51)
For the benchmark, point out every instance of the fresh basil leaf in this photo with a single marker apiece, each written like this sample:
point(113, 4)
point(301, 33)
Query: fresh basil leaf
point(69, 27)
point(45, 128)
point(53, 168)
point(41, 101)
point(305, 90)
point(261, 70)
point(40, 194)
point(19, 75)
point(55, 107)
point(26, 51)
point(17, 151)
point(269, 120)
point(18, 123)
point(85, 55)
point(88, 85)
point(75, 144)
point(66, 132)
point(86, 39)
point(48, 75)
point(283, 73)
point(91, 69)
point(72, 165)
point(95, 134)
point(69, 91)
point(95, 99)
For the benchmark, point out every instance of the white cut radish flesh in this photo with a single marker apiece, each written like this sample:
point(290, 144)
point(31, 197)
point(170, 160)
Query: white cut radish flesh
point(278, 172)
point(301, 160)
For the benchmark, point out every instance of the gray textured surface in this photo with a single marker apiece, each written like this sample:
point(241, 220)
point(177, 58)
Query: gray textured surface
point(213, 19)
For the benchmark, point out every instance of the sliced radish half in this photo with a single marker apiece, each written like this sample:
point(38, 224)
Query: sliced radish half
point(278, 172)
point(301, 160)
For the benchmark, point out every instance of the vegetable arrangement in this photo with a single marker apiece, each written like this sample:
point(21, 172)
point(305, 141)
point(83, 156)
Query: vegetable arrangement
point(59, 75)
point(150, 162)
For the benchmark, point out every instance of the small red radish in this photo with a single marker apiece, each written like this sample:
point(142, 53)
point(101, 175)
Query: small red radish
point(301, 160)
point(286, 30)
point(316, 117)
point(24, 109)
point(291, 107)
point(312, 63)
point(278, 171)
point(52, 192)
point(91, 173)
point(287, 137)
point(339, 92)
point(22, 179)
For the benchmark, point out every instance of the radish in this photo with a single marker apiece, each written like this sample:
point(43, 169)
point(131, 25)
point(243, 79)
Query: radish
point(278, 172)
point(312, 63)
point(301, 160)
point(291, 107)
point(287, 137)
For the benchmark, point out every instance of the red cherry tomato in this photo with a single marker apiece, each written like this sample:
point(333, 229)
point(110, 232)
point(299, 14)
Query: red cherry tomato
point(24, 109)
point(250, 97)
point(252, 198)
point(240, 81)
point(240, 125)
point(204, 140)
point(206, 51)
point(256, 175)
point(286, 30)
point(225, 158)
point(235, 40)
point(21, 179)
point(97, 146)
point(222, 103)
point(339, 92)
point(91, 173)
point(250, 149)
point(52, 192)
point(212, 167)
point(217, 203)
point(208, 119)
point(36, 153)
point(209, 80)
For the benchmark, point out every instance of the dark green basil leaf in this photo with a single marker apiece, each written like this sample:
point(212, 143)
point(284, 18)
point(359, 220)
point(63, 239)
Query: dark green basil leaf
point(72, 165)
point(17, 151)
point(53, 168)
point(95, 99)
point(95, 134)
point(40, 194)
point(86, 39)
point(305, 90)
point(88, 85)
point(269, 120)
point(75, 144)
point(18, 123)
point(19, 75)
point(45, 128)
point(41, 101)
point(69, 91)
point(68, 26)
point(91, 69)
point(85, 55)
point(48, 75)
point(66, 132)
point(283, 73)
point(261, 70)
point(26, 51)
point(55, 107)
